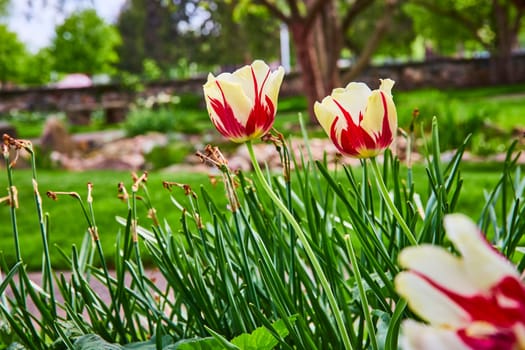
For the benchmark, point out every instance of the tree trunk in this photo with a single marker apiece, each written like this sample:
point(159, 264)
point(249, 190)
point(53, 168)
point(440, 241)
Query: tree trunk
point(314, 89)
point(329, 43)
point(501, 63)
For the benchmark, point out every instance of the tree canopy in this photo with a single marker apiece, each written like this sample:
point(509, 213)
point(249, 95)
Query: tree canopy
point(3, 7)
point(206, 33)
point(85, 43)
point(13, 56)
point(493, 26)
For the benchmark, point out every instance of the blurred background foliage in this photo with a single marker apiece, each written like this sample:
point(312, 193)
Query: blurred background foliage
point(178, 39)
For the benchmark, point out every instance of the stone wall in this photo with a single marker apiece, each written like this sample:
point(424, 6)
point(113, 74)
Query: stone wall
point(440, 73)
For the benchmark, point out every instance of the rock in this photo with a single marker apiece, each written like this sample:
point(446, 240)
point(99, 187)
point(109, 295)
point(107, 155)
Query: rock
point(56, 138)
point(121, 154)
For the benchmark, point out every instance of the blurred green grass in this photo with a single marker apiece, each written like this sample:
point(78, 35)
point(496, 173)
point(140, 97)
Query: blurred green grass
point(67, 225)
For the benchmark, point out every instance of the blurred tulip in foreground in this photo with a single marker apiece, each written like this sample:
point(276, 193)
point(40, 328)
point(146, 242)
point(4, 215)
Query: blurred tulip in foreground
point(472, 301)
point(242, 105)
point(360, 122)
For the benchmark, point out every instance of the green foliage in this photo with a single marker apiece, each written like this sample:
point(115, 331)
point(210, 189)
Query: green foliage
point(491, 115)
point(174, 153)
point(19, 66)
point(66, 229)
point(13, 57)
point(396, 39)
point(66, 225)
point(141, 120)
point(444, 35)
point(190, 36)
point(4, 4)
point(151, 71)
point(253, 26)
point(95, 342)
point(131, 81)
point(38, 68)
point(260, 339)
point(28, 124)
point(167, 113)
point(84, 43)
point(467, 25)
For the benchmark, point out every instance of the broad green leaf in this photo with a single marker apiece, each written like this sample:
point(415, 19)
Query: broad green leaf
point(261, 338)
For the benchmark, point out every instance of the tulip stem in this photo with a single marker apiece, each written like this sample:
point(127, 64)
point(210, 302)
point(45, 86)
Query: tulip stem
point(362, 292)
point(390, 204)
point(308, 249)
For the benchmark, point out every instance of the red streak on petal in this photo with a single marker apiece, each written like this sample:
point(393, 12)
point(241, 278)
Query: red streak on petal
point(502, 306)
point(353, 139)
point(385, 138)
point(262, 114)
point(502, 339)
point(230, 128)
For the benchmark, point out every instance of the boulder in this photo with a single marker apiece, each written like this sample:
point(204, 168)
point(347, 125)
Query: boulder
point(56, 138)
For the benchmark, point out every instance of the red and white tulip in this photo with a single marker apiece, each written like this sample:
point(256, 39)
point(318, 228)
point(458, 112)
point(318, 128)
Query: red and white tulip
point(360, 122)
point(242, 105)
point(472, 301)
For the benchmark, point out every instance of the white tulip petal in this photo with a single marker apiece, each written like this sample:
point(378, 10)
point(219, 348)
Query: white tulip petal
point(417, 336)
point(273, 85)
point(440, 266)
point(243, 76)
point(353, 98)
point(212, 91)
point(226, 76)
point(325, 112)
point(428, 302)
point(485, 266)
point(251, 78)
point(386, 86)
point(380, 105)
point(233, 96)
point(374, 114)
point(261, 72)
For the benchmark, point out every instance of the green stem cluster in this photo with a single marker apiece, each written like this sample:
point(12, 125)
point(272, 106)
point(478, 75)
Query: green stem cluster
point(308, 249)
point(390, 204)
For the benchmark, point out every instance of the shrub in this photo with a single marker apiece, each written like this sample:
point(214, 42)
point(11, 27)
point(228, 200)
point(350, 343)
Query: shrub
point(142, 120)
point(163, 156)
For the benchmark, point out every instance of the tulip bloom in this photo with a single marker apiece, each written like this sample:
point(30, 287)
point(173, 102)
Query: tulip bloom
point(360, 122)
point(242, 105)
point(472, 301)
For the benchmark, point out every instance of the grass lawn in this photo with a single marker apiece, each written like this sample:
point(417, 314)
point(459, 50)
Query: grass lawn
point(67, 224)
